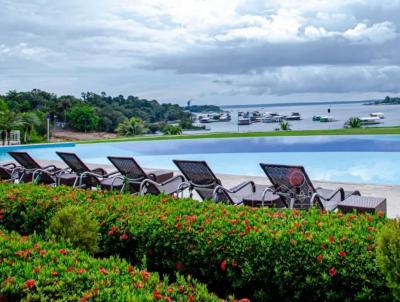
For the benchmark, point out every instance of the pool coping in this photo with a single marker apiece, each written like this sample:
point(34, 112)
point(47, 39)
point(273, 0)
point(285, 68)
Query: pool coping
point(36, 146)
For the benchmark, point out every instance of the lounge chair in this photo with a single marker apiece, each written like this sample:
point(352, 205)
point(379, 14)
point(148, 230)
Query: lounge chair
point(10, 172)
point(132, 175)
point(31, 171)
point(201, 179)
point(81, 176)
point(297, 191)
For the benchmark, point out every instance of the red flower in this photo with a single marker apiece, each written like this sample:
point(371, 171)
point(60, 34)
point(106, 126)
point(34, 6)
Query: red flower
point(179, 266)
point(332, 272)
point(244, 300)
point(331, 239)
point(104, 271)
point(130, 269)
point(81, 271)
point(222, 265)
point(191, 298)
point(157, 295)
point(178, 225)
point(70, 269)
point(43, 252)
point(181, 289)
point(371, 229)
point(145, 275)
point(63, 251)
point(170, 290)
point(320, 257)
point(29, 283)
point(342, 254)
point(124, 236)
point(55, 274)
point(139, 285)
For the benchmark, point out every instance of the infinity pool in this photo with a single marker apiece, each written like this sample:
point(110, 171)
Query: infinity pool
point(366, 159)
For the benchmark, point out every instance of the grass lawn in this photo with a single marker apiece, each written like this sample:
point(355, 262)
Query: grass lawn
point(356, 131)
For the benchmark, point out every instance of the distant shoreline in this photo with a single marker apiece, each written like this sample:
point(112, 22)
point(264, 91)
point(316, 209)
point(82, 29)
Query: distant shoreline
point(298, 104)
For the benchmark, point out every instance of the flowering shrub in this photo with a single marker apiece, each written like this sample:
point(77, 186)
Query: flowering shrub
point(262, 254)
point(33, 270)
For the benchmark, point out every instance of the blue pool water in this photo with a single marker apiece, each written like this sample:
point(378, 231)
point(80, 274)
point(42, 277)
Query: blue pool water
point(367, 159)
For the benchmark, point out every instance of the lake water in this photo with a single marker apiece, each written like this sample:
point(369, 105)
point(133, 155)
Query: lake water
point(363, 159)
point(341, 112)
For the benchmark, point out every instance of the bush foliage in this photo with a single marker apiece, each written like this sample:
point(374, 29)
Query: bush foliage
point(33, 270)
point(388, 254)
point(75, 225)
point(262, 254)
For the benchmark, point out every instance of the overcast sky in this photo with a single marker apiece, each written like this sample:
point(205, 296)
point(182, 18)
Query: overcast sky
point(211, 51)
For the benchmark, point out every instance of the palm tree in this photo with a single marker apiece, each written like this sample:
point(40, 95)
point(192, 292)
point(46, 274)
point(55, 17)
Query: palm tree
point(133, 126)
point(354, 122)
point(284, 125)
point(10, 120)
point(30, 120)
point(172, 130)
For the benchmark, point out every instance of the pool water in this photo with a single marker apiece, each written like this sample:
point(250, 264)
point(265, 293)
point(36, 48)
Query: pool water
point(364, 159)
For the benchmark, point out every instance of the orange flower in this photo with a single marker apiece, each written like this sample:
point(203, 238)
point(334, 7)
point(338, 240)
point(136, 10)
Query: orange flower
point(104, 271)
point(320, 257)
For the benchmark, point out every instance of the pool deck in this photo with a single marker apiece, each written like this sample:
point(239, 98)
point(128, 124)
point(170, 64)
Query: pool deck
point(391, 192)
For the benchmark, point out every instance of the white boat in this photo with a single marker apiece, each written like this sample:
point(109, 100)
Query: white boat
point(370, 120)
point(381, 115)
point(204, 120)
point(272, 117)
point(244, 121)
point(294, 117)
point(327, 119)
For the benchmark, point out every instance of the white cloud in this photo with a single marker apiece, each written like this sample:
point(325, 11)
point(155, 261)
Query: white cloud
point(377, 33)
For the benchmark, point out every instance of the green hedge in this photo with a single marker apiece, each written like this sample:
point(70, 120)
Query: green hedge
point(261, 254)
point(33, 270)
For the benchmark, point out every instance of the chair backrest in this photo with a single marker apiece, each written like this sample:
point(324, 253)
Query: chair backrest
point(199, 174)
point(128, 167)
point(73, 162)
point(25, 160)
point(292, 180)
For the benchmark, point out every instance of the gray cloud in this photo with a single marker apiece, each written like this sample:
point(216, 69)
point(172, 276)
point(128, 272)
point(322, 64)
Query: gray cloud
point(173, 50)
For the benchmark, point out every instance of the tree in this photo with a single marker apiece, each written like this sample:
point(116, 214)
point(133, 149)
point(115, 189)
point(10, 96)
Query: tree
point(133, 126)
point(172, 130)
point(354, 122)
point(285, 126)
point(10, 120)
point(83, 117)
point(29, 121)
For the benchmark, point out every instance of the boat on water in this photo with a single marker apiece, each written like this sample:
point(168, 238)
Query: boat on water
point(369, 120)
point(243, 121)
point(272, 117)
point(381, 115)
point(327, 119)
point(295, 116)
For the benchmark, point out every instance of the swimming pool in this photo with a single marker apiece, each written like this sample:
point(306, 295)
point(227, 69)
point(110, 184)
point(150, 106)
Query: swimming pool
point(366, 159)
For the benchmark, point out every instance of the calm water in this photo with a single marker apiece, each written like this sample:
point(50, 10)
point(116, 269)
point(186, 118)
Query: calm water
point(341, 112)
point(366, 159)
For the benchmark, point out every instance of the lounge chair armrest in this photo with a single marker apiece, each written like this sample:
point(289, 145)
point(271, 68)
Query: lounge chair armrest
point(145, 182)
point(220, 188)
point(49, 166)
point(111, 174)
point(319, 196)
point(173, 179)
point(10, 164)
point(99, 171)
point(245, 184)
point(88, 173)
